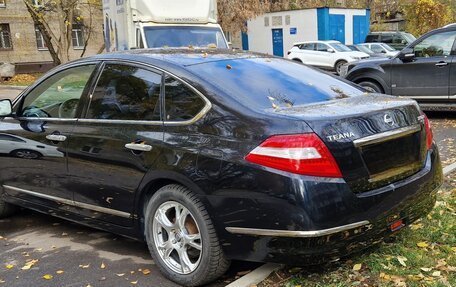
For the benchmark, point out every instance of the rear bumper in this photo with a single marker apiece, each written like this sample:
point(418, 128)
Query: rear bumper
point(326, 222)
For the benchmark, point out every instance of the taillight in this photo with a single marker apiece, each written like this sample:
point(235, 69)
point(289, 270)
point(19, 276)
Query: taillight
point(429, 133)
point(304, 154)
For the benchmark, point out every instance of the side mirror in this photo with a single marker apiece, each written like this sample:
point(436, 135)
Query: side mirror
point(330, 50)
point(6, 108)
point(407, 55)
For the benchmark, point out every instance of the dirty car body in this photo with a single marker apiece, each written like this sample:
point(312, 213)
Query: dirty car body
point(291, 164)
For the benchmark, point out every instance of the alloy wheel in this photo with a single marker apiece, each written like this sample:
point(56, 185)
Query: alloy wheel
point(177, 237)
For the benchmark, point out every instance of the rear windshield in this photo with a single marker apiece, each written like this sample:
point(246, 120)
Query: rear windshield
point(272, 82)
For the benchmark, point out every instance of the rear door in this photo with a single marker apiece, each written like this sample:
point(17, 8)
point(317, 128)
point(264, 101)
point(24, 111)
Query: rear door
point(307, 53)
point(453, 75)
point(117, 142)
point(427, 77)
point(322, 56)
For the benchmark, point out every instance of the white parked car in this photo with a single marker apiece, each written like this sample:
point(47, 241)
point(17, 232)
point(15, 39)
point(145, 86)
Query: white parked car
point(382, 48)
point(329, 55)
point(27, 149)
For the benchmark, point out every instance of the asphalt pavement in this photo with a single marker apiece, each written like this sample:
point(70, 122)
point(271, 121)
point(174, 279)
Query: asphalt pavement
point(42, 251)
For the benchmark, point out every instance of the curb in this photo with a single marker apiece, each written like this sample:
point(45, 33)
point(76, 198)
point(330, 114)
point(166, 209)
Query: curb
point(262, 272)
point(6, 87)
point(256, 276)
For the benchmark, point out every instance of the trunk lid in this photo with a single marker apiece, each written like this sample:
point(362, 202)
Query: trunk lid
point(375, 139)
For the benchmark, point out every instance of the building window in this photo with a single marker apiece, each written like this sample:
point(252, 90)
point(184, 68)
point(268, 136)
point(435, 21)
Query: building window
point(277, 20)
point(266, 21)
point(2, 3)
point(77, 37)
point(5, 37)
point(287, 20)
point(40, 44)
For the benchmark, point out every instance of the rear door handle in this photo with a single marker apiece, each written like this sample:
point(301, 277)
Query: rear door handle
point(56, 138)
point(441, 64)
point(138, 147)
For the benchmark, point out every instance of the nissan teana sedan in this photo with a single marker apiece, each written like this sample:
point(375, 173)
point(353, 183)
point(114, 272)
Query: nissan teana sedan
point(211, 156)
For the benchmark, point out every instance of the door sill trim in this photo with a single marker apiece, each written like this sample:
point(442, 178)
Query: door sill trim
point(69, 202)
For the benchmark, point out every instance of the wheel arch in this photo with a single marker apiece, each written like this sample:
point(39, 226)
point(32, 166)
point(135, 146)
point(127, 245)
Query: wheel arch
point(359, 76)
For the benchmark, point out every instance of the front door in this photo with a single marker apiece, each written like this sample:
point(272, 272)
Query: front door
point(117, 142)
point(277, 42)
point(427, 76)
point(453, 75)
point(33, 144)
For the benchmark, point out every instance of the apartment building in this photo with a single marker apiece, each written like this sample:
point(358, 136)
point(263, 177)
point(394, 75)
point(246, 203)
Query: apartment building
point(23, 45)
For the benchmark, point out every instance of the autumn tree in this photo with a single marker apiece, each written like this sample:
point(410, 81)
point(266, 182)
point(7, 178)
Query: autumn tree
point(55, 20)
point(425, 15)
point(233, 14)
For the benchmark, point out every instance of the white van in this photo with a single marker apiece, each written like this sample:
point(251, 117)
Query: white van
point(133, 24)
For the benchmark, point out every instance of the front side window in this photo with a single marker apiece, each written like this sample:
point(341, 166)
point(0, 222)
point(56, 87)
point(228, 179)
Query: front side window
point(126, 92)
point(322, 47)
point(58, 96)
point(388, 39)
point(5, 37)
point(437, 45)
point(181, 102)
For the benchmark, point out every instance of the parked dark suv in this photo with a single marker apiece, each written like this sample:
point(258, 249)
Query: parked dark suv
point(214, 155)
point(396, 39)
point(425, 71)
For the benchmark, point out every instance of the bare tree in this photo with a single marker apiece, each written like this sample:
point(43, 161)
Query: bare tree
point(55, 19)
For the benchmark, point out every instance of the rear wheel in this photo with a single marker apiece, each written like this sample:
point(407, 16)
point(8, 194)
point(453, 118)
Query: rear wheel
point(339, 65)
point(26, 154)
point(371, 87)
point(6, 209)
point(182, 239)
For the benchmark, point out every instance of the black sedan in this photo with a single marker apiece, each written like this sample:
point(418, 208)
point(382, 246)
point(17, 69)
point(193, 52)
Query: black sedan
point(211, 156)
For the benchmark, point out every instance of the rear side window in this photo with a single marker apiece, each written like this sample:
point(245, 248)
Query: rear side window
point(181, 102)
point(387, 38)
point(308, 46)
point(126, 92)
point(372, 38)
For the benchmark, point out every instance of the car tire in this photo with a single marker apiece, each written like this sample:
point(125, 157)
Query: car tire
point(339, 65)
point(173, 239)
point(6, 209)
point(371, 87)
point(26, 154)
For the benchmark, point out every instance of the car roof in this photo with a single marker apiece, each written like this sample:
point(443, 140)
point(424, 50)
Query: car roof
point(319, 41)
point(387, 32)
point(178, 56)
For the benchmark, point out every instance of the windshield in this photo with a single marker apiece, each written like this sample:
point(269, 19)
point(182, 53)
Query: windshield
point(340, 47)
point(175, 37)
point(365, 49)
point(388, 47)
point(273, 83)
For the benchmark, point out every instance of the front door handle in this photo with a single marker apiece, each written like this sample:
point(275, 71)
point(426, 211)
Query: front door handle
point(138, 147)
point(441, 64)
point(56, 138)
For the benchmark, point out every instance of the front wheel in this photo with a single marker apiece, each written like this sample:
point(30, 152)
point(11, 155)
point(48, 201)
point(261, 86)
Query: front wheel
point(182, 239)
point(339, 65)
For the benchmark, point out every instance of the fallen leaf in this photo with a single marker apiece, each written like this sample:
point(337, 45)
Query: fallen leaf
point(426, 269)
point(436, 274)
point(64, 234)
point(60, 272)
point(401, 260)
point(422, 244)
point(145, 271)
point(134, 282)
point(9, 266)
point(120, 274)
point(357, 267)
point(84, 266)
point(29, 264)
point(103, 266)
point(48, 276)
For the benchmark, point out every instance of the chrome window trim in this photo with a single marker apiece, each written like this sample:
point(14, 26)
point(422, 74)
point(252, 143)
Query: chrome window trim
point(70, 202)
point(202, 113)
point(386, 136)
point(296, 234)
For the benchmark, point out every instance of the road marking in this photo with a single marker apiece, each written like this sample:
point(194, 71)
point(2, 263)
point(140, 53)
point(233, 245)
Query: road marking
point(263, 272)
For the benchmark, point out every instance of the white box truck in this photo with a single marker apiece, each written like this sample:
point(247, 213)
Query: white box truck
point(135, 24)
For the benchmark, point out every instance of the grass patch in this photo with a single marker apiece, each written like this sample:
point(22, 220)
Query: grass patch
point(423, 254)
